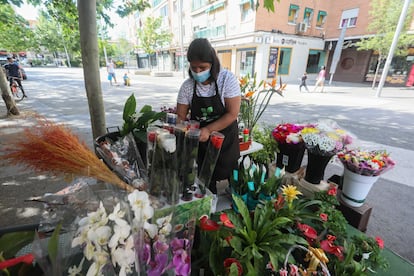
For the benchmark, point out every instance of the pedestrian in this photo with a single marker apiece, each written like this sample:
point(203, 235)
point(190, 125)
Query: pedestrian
point(127, 81)
point(303, 82)
point(320, 81)
point(212, 96)
point(110, 68)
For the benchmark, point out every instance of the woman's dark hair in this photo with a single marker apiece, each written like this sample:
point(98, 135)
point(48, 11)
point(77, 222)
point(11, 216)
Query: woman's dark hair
point(200, 49)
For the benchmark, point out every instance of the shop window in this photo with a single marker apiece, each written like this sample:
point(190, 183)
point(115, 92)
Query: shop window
point(320, 21)
point(293, 13)
point(307, 17)
point(316, 59)
point(245, 61)
point(284, 61)
point(246, 10)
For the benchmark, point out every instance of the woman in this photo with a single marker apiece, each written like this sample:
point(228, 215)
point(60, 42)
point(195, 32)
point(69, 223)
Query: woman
point(211, 95)
point(321, 79)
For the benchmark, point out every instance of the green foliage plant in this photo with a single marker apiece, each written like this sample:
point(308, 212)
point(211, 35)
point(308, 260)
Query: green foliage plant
point(138, 122)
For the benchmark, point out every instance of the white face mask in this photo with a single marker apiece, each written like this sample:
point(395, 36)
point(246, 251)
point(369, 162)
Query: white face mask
point(202, 76)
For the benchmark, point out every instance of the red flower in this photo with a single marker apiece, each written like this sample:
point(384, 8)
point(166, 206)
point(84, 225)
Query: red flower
point(207, 224)
point(226, 221)
point(323, 216)
point(152, 136)
point(332, 190)
point(279, 202)
point(216, 141)
point(329, 247)
point(380, 242)
point(229, 261)
point(308, 231)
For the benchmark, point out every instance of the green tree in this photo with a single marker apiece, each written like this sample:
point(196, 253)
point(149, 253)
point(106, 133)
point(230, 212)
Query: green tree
point(383, 28)
point(152, 36)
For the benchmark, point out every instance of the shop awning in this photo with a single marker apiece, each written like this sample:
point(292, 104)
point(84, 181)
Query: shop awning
point(322, 13)
point(214, 7)
point(294, 7)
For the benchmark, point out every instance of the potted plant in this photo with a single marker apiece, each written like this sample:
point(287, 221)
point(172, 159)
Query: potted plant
point(255, 97)
point(138, 122)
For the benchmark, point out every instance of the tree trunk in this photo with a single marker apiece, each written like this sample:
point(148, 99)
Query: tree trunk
point(90, 61)
point(6, 95)
point(380, 58)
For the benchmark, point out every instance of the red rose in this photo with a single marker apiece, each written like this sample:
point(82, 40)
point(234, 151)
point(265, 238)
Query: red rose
point(216, 141)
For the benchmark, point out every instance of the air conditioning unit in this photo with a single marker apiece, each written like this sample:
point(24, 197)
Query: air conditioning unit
point(301, 27)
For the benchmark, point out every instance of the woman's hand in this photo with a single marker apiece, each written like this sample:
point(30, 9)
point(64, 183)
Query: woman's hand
point(204, 134)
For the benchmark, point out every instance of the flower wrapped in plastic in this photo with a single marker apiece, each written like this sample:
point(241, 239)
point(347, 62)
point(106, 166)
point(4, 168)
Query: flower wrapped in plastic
point(366, 162)
point(325, 137)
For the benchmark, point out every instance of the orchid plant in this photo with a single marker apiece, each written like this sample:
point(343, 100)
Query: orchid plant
point(130, 233)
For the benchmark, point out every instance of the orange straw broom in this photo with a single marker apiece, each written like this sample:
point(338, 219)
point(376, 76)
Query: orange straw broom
point(55, 149)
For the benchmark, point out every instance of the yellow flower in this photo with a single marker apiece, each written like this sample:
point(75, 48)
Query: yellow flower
point(308, 130)
point(315, 256)
point(290, 192)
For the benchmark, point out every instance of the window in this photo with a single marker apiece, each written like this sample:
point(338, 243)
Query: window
point(316, 59)
point(245, 61)
point(284, 61)
point(246, 7)
point(349, 18)
point(320, 21)
point(293, 13)
point(197, 4)
point(307, 17)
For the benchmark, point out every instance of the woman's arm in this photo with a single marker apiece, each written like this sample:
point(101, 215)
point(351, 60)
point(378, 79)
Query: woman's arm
point(232, 112)
point(182, 111)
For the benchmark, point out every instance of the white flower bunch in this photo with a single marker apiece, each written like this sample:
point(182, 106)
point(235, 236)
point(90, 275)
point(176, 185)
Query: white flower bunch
point(110, 238)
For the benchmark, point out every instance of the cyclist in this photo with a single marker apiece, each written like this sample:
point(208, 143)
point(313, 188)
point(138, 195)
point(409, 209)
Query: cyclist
point(13, 72)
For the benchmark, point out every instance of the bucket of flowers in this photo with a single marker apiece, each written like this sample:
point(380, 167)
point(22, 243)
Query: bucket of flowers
point(291, 147)
point(362, 168)
point(322, 140)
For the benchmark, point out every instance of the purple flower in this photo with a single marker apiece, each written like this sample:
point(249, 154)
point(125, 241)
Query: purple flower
point(159, 265)
point(160, 247)
point(182, 262)
point(145, 254)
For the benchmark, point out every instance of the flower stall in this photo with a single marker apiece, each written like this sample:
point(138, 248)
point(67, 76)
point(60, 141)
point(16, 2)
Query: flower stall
point(128, 213)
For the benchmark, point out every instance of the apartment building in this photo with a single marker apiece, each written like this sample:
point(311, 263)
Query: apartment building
point(299, 36)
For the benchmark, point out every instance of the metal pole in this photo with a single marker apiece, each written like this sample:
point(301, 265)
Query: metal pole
point(393, 46)
point(180, 13)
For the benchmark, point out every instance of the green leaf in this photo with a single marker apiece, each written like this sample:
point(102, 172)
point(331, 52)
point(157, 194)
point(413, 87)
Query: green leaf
point(11, 243)
point(241, 206)
point(129, 108)
point(53, 245)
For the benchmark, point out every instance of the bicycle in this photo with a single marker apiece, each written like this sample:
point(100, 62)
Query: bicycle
point(16, 90)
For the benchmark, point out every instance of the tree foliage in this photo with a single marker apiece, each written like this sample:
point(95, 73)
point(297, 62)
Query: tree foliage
point(384, 28)
point(17, 36)
point(151, 36)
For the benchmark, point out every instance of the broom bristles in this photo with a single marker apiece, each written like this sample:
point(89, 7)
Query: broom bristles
point(55, 149)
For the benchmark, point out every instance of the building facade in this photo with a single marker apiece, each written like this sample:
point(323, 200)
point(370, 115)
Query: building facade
point(299, 36)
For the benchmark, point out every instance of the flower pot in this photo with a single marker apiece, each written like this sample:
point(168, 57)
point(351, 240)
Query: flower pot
point(356, 188)
point(315, 169)
point(290, 156)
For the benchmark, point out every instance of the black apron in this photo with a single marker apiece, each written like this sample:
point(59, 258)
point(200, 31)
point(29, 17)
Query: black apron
point(206, 110)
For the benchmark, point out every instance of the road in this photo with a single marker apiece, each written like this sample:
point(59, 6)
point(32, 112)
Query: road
point(384, 123)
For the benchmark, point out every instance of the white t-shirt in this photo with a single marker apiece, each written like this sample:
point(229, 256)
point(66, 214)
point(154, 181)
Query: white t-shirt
point(228, 87)
point(111, 67)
